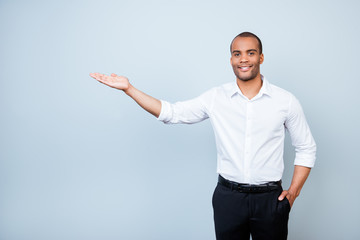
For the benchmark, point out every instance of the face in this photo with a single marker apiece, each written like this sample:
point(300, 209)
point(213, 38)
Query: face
point(246, 58)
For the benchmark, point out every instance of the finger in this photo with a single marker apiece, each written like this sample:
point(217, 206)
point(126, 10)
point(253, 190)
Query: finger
point(282, 195)
point(104, 78)
point(113, 75)
point(95, 75)
point(101, 76)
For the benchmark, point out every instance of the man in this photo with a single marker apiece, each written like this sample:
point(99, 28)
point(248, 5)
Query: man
point(249, 118)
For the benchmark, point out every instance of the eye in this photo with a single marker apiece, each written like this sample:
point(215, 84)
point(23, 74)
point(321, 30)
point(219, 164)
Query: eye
point(237, 54)
point(251, 53)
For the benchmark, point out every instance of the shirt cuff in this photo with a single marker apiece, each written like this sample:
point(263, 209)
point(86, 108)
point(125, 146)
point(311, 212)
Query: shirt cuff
point(165, 113)
point(305, 162)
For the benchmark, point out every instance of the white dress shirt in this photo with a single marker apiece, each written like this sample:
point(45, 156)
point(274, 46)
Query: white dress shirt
point(249, 134)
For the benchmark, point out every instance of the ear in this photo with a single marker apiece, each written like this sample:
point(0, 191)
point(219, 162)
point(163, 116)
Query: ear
point(261, 58)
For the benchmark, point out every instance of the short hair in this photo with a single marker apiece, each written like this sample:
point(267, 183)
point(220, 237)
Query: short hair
point(248, 34)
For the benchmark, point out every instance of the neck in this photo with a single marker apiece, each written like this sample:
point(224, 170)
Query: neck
point(251, 87)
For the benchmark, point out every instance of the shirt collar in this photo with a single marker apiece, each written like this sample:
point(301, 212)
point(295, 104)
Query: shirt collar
point(265, 88)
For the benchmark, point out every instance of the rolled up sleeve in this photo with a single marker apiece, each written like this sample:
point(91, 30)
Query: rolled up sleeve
point(186, 112)
point(301, 137)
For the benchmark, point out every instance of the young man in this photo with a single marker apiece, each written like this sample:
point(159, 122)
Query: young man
point(249, 118)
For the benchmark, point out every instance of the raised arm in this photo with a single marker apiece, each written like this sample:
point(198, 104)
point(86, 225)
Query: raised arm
point(150, 104)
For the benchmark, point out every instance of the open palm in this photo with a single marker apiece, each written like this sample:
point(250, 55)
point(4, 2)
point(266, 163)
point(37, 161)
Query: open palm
point(115, 81)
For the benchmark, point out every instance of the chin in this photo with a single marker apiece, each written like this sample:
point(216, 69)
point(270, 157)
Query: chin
point(246, 78)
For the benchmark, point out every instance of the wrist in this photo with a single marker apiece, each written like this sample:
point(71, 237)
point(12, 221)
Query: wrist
point(294, 191)
point(128, 90)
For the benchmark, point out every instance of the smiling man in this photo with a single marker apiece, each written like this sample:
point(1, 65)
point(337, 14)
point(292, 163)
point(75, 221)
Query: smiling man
point(249, 117)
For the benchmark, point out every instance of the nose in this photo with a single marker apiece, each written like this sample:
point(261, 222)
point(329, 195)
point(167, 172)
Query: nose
point(243, 58)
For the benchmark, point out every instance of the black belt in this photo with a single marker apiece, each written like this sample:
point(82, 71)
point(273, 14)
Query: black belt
point(250, 188)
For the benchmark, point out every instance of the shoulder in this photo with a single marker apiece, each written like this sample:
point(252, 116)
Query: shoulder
point(281, 93)
point(220, 93)
point(287, 99)
point(223, 89)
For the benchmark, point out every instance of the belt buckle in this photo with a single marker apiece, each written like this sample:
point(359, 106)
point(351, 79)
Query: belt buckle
point(258, 188)
point(254, 188)
point(244, 189)
point(237, 187)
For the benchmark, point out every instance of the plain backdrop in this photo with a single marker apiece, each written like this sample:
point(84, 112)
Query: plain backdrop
point(80, 160)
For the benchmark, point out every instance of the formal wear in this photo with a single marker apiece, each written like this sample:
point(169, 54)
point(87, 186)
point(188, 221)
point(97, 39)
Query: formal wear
point(249, 133)
point(251, 209)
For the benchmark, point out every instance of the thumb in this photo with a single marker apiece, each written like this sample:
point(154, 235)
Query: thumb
point(282, 195)
point(113, 75)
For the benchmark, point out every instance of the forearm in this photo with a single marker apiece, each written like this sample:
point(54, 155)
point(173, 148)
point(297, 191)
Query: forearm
point(299, 177)
point(150, 104)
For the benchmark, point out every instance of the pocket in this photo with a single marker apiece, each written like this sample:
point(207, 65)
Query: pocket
point(287, 203)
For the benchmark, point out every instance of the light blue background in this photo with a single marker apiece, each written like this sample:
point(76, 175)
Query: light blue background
point(80, 160)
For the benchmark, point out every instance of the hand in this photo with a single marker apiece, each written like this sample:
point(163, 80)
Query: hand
point(114, 81)
point(291, 197)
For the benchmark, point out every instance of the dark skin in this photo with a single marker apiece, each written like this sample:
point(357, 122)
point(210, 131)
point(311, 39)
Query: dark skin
point(245, 60)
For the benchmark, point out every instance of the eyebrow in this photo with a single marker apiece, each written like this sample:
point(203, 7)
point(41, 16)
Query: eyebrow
point(250, 50)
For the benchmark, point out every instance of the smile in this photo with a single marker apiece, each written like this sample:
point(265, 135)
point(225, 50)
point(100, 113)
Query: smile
point(244, 68)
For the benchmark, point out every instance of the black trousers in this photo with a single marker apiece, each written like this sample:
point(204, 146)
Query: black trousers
point(237, 215)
